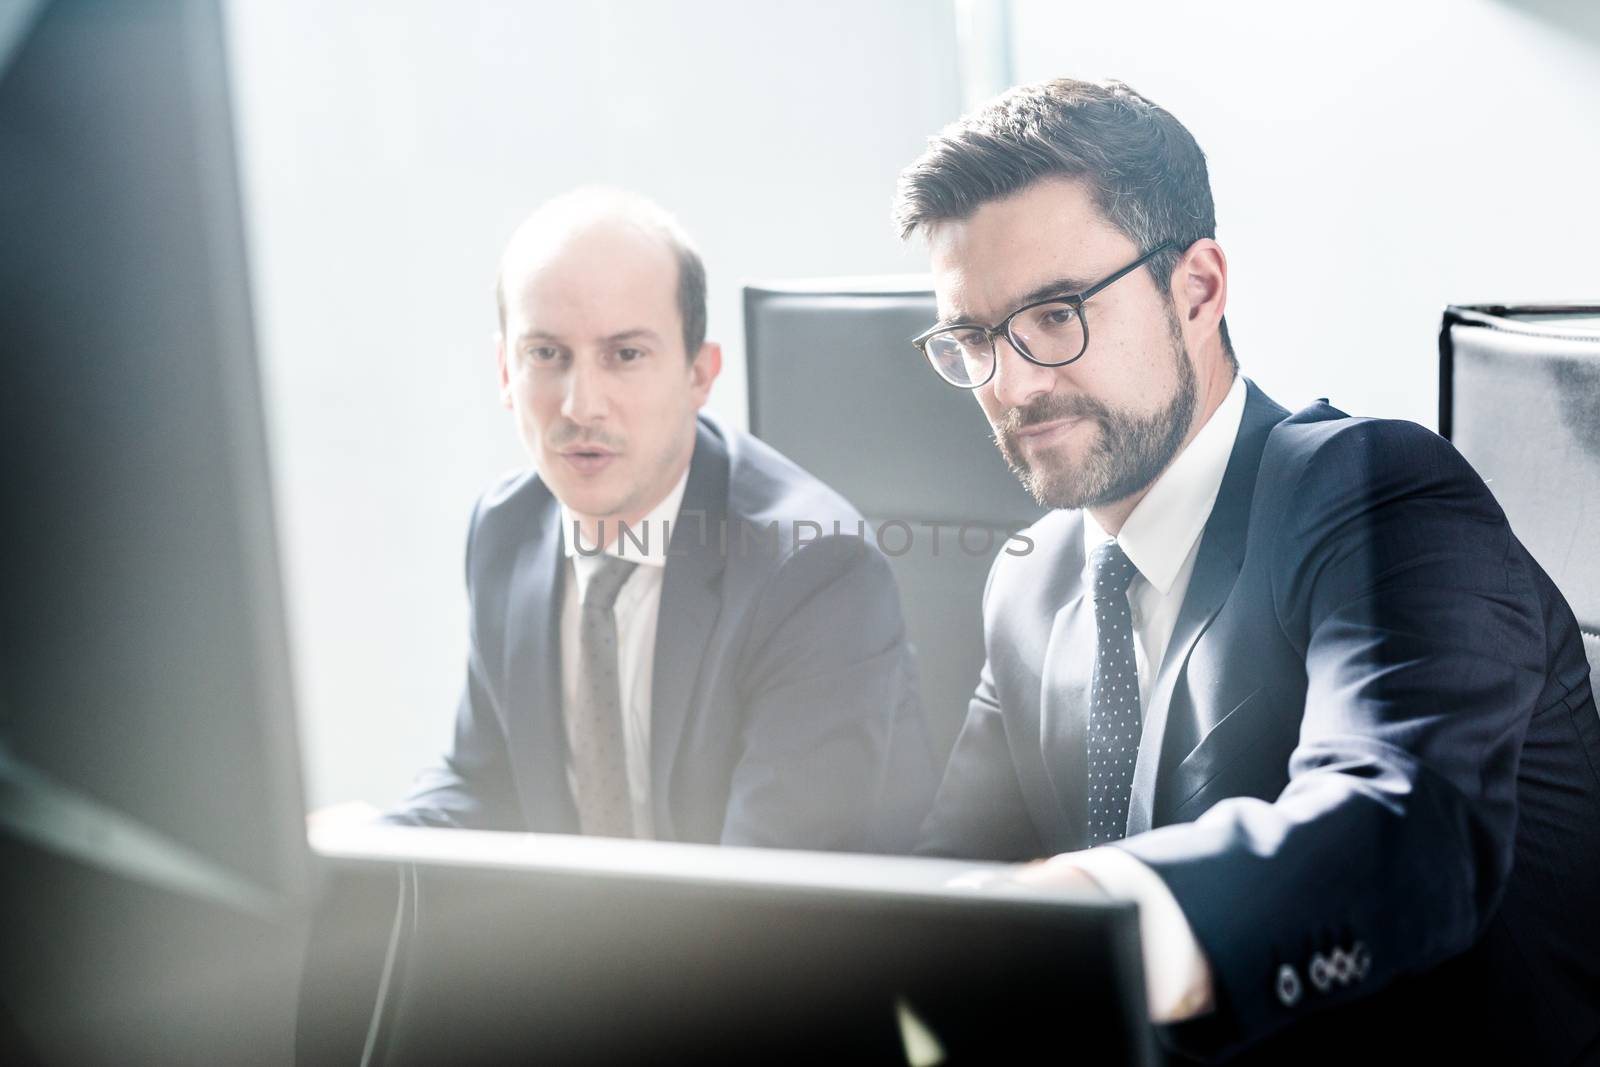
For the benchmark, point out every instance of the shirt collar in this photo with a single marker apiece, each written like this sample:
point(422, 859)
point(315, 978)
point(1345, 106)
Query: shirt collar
point(653, 530)
point(1167, 522)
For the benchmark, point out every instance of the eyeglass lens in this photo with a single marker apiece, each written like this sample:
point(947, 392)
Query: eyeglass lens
point(1050, 333)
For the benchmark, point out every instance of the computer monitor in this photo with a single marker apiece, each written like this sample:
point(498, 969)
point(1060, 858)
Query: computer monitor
point(508, 948)
point(151, 815)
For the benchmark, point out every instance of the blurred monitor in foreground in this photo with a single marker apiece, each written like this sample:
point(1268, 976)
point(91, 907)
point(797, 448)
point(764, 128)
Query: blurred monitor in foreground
point(151, 817)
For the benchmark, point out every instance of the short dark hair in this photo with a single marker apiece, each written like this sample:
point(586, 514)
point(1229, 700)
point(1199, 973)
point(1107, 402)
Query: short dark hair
point(692, 297)
point(691, 294)
point(1144, 169)
point(646, 214)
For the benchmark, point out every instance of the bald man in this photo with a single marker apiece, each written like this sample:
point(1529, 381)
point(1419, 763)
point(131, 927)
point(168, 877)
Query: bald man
point(676, 633)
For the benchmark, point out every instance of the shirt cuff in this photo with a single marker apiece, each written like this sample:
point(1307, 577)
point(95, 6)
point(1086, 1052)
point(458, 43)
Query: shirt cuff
point(1177, 978)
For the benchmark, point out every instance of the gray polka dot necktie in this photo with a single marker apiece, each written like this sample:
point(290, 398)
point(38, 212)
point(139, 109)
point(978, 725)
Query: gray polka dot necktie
point(594, 723)
point(1114, 719)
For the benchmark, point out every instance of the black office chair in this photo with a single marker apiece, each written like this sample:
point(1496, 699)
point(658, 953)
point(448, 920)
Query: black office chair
point(835, 385)
point(1519, 395)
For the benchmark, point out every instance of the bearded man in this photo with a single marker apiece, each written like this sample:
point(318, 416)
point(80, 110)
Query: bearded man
point(1287, 680)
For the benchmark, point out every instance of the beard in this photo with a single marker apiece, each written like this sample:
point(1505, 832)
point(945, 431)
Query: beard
point(1130, 452)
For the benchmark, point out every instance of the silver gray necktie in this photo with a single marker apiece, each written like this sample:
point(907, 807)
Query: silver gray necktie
point(594, 722)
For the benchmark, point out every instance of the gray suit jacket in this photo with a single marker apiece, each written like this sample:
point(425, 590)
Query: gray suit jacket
point(783, 708)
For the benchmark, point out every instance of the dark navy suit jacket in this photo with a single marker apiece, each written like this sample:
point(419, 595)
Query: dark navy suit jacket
point(1370, 765)
point(784, 708)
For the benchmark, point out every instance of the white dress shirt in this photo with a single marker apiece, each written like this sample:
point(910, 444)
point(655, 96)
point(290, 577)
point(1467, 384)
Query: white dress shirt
point(637, 608)
point(1162, 538)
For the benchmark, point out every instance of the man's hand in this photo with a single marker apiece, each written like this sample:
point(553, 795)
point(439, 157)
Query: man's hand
point(348, 813)
point(1057, 872)
point(1176, 973)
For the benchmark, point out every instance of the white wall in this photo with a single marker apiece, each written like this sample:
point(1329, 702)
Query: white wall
point(388, 149)
point(1372, 162)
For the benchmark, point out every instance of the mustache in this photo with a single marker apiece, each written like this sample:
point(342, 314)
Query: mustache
point(1046, 409)
point(570, 433)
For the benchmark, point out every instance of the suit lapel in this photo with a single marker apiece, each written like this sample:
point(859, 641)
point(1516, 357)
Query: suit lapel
point(1216, 568)
point(1064, 699)
point(690, 601)
point(535, 727)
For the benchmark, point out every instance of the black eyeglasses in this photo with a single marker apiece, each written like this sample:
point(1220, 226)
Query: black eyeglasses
point(1050, 332)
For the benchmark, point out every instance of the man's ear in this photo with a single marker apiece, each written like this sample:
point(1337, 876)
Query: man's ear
point(703, 371)
point(505, 370)
point(1200, 289)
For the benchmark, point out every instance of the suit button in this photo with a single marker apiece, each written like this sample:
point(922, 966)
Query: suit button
point(1288, 986)
point(1360, 960)
point(1342, 966)
point(1321, 974)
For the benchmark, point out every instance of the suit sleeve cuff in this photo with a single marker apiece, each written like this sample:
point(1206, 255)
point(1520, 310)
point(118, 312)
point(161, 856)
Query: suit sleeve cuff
point(1177, 977)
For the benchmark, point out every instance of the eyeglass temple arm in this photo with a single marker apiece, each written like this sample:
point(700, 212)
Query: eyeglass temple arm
point(996, 332)
point(1125, 271)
